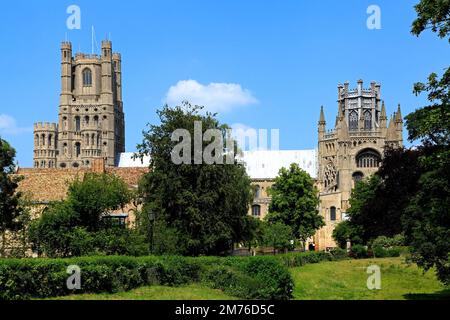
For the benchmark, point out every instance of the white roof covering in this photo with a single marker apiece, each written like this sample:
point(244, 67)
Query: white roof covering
point(126, 161)
point(266, 164)
point(261, 164)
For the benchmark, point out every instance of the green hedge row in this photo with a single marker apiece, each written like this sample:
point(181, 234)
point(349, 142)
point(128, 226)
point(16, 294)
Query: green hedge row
point(246, 278)
point(292, 260)
point(362, 252)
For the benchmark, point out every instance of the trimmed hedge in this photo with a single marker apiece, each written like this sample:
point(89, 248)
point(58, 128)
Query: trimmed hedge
point(381, 252)
point(247, 278)
point(292, 260)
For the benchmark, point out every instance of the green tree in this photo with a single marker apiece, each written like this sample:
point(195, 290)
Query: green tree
point(278, 236)
point(427, 220)
point(76, 226)
point(377, 204)
point(206, 204)
point(295, 202)
point(95, 195)
point(345, 231)
point(10, 210)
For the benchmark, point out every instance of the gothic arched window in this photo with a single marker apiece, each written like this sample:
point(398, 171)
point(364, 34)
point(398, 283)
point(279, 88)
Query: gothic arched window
point(77, 149)
point(77, 124)
point(368, 159)
point(353, 120)
point(87, 77)
point(333, 213)
point(257, 192)
point(367, 120)
point(357, 176)
point(256, 210)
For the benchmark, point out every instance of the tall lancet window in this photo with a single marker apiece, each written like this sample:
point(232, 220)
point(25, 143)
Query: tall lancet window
point(367, 120)
point(87, 77)
point(353, 120)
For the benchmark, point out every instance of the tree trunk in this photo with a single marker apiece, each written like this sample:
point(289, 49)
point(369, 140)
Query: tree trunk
point(3, 248)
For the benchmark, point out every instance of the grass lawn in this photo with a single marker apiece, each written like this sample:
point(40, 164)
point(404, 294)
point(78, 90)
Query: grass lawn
point(347, 280)
point(191, 292)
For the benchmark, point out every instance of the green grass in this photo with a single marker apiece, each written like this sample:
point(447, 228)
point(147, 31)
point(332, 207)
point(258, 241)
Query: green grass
point(191, 292)
point(338, 280)
point(347, 280)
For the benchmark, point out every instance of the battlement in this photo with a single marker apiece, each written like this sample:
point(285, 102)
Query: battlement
point(45, 126)
point(344, 89)
point(106, 44)
point(117, 56)
point(86, 56)
point(66, 45)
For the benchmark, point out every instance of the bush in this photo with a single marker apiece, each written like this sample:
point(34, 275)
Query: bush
point(339, 254)
point(359, 252)
point(246, 278)
point(380, 252)
point(292, 260)
point(385, 242)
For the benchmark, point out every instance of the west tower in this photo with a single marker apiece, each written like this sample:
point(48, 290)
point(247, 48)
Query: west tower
point(352, 150)
point(91, 119)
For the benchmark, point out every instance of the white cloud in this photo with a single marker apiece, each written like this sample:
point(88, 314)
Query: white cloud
point(8, 125)
point(216, 97)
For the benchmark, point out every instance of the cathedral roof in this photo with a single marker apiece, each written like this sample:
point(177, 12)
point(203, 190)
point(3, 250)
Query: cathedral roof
point(265, 164)
point(261, 164)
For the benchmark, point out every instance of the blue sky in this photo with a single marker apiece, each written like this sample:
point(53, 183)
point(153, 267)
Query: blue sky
point(275, 62)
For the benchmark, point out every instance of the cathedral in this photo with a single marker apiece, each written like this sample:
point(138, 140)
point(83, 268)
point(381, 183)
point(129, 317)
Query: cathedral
point(90, 135)
point(91, 119)
point(352, 150)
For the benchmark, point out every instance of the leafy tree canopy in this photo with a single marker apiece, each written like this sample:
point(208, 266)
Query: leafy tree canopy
point(295, 201)
point(10, 210)
point(206, 204)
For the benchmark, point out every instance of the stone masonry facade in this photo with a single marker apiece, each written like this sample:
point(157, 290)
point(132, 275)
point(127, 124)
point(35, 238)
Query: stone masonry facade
point(90, 136)
point(91, 119)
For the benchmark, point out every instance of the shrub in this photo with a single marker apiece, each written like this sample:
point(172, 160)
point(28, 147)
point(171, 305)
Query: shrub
point(385, 242)
point(339, 254)
point(380, 252)
point(292, 260)
point(359, 252)
point(247, 278)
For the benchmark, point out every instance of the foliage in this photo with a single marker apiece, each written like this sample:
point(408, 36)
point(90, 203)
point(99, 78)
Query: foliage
point(206, 204)
point(345, 231)
point(264, 277)
point(297, 259)
point(75, 227)
point(119, 241)
point(379, 202)
point(10, 211)
point(278, 236)
point(427, 222)
point(255, 231)
point(381, 252)
point(386, 242)
point(359, 252)
point(95, 195)
point(295, 202)
point(427, 218)
point(434, 15)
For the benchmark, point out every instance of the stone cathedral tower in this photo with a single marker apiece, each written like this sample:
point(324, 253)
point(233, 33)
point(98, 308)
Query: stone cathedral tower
point(352, 150)
point(91, 119)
